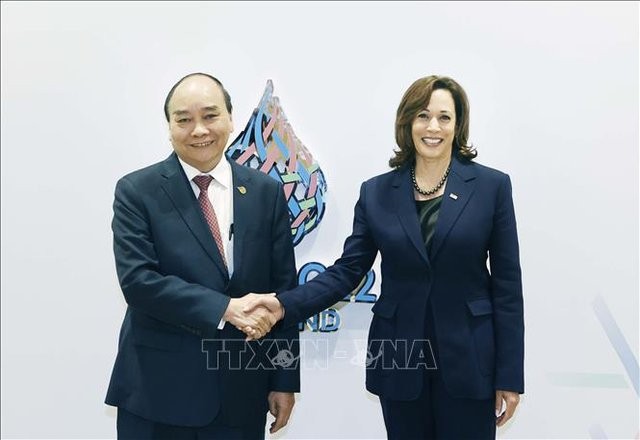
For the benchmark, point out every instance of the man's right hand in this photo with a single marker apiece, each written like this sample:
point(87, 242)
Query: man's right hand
point(248, 315)
point(257, 305)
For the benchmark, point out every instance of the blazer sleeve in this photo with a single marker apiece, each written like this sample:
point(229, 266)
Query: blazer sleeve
point(506, 290)
point(286, 376)
point(342, 277)
point(165, 297)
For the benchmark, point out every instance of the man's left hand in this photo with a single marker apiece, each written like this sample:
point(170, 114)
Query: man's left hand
point(280, 406)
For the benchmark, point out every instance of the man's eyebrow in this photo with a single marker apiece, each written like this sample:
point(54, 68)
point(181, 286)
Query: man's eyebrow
point(209, 108)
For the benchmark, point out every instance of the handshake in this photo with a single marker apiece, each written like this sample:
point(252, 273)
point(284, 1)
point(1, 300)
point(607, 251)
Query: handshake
point(254, 314)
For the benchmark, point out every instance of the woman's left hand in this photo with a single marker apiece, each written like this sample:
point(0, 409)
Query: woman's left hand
point(511, 399)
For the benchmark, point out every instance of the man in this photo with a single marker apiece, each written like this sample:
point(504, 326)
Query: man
point(192, 235)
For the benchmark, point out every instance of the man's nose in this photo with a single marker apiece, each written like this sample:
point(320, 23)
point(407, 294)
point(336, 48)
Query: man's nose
point(199, 130)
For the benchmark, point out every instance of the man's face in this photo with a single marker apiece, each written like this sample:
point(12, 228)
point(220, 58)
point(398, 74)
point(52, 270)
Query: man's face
point(199, 123)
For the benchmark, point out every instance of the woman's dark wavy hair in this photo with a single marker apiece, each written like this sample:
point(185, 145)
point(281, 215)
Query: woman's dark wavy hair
point(415, 99)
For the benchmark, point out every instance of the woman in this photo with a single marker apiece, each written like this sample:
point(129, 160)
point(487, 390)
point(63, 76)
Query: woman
point(447, 335)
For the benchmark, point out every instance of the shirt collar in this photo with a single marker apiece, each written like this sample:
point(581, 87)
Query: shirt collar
point(221, 173)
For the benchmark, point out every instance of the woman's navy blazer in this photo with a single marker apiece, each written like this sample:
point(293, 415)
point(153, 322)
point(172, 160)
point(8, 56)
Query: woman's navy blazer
point(471, 276)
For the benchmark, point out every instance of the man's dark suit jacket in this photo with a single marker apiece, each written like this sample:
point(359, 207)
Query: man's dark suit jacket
point(478, 313)
point(167, 369)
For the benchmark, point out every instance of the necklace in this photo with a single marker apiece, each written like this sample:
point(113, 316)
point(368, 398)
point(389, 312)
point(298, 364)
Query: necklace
point(435, 188)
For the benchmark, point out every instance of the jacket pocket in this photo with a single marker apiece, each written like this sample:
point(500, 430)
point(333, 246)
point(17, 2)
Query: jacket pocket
point(381, 337)
point(483, 335)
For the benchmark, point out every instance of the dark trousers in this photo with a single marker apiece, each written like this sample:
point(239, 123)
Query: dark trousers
point(436, 414)
point(133, 427)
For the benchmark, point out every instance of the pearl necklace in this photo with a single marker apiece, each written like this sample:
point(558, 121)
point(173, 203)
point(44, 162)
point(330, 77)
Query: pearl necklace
point(435, 188)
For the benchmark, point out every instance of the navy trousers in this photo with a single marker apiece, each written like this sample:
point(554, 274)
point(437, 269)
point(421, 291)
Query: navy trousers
point(133, 427)
point(436, 414)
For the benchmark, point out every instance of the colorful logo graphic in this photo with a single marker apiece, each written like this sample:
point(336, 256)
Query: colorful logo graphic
point(268, 144)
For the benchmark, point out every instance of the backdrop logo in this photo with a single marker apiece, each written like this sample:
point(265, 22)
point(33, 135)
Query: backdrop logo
point(268, 144)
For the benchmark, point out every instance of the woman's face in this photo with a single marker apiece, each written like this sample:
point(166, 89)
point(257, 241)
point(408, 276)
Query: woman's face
point(434, 127)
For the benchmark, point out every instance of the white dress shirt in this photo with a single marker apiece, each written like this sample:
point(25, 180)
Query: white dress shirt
point(220, 194)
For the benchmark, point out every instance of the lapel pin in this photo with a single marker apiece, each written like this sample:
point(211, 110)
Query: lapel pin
point(242, 190)
point(453, 196)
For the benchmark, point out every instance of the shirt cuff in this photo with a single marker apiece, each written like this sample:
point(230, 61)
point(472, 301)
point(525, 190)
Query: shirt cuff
point(221, 325)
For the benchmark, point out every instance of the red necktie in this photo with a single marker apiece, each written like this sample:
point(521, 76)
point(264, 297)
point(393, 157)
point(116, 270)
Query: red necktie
point(209, 214)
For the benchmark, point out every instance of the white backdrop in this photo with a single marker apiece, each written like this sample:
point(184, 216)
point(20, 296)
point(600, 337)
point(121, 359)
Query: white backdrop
point(554, 97)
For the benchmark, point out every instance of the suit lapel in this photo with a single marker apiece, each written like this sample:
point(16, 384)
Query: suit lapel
point(179, 191)
point(457, 192)
point(406, 210)
point(244, 201)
